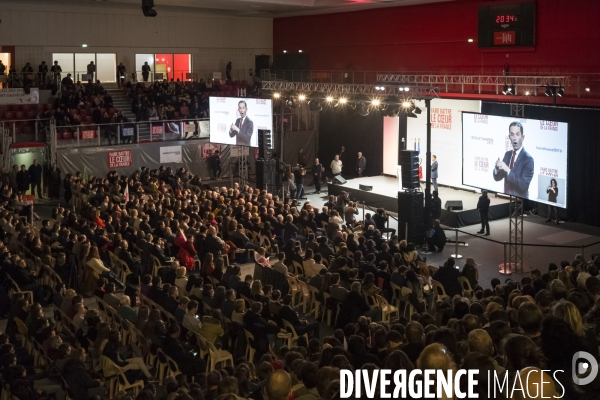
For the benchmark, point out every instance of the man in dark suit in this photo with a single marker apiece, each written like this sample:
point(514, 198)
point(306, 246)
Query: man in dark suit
point(79, 378)
point(434, 172)
point(361, 164)
point(516, 168)
point(483, 206)
point(175, 349)
point(301, 326)
point(243, 127)
point(447, 275)
point(171, 303)
point(262, 330)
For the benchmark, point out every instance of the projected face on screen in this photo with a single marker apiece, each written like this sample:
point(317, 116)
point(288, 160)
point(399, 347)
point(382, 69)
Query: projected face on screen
point(497, 158)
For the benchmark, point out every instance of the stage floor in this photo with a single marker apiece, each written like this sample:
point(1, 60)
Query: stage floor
point(385, 194)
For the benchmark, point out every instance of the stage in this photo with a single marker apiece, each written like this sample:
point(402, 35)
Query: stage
point(385, 194)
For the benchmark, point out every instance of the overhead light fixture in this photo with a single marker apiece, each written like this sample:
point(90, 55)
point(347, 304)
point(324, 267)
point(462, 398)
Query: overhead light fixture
point(363, 110)
point(527, 93)
point(301, 97)
point(560, 92)
point(276, 95)
point(375, 102)
point(470, 40)
point(587, 89)
point(342, 101)
point(548, 91)
point(148, 8)
point(406, 104)
point(84, 45)
point(329, 99)
point(406, 89)
point(299, 51)
point(285, 51)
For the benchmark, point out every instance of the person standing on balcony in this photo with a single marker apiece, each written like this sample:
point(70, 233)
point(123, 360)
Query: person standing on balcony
point(43, 70)
point(35, 175)
point(121, 75)
point(91, 70)
point(228, 71)
point(56, 70)
point(145, 71)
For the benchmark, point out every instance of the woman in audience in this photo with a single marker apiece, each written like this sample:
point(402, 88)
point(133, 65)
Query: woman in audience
point(207, 294)
point(95, 269)
point(238, 311)
point(257, 291)
point(569, 313)
point(181, 280)
point(208, 266)
point(260, 257)
point(212, 328)
point(471, 272)
point(131, 366)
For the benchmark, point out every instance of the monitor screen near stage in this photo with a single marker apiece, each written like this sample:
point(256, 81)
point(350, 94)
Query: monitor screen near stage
point(236, 121)
point(526, 158)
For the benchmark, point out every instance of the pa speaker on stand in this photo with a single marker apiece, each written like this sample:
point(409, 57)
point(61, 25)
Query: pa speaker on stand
point(410, 211)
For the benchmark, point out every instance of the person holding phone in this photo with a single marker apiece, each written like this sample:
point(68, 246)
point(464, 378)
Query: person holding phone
point(552, 196)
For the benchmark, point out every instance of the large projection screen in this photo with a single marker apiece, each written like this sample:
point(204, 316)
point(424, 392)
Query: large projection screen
point(226, 125)
point(446, 137)
point(526, 158)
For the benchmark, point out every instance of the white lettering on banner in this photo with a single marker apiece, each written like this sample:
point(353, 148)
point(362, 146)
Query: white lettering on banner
point(18, 96)
point(88, 134)
point(441, 118)
point(170, 154)
point(127, 131)
point(549, 125)
point(119, 159)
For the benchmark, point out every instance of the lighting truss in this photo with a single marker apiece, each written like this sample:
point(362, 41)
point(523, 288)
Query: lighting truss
point(414, 92)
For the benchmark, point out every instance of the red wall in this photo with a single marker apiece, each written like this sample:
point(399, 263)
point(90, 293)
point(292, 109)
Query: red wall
point(433, 37)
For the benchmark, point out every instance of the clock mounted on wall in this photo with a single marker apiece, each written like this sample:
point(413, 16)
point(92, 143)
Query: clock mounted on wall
point(507, 24)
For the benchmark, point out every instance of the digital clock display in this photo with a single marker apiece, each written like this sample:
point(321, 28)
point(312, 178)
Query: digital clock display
point(503, 19)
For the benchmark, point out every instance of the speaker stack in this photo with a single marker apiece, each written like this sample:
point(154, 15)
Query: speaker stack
point(410, 211)
point(409, 161)
point(266, 174)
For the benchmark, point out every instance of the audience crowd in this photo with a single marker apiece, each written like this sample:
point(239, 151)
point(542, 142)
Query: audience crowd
point(177, 248)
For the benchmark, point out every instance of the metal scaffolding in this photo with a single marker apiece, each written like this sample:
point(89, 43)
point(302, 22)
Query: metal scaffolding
point(413, 92)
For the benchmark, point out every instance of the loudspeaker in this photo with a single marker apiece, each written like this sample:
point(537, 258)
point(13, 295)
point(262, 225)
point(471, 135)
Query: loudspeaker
point(338, 180)
point(265, 174)
point(453, 205)
point(264, 144)
point(409, 161)
point(410, 211)
point(365, 188)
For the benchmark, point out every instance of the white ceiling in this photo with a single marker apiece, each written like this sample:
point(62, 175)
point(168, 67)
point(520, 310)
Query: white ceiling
point(252, 8)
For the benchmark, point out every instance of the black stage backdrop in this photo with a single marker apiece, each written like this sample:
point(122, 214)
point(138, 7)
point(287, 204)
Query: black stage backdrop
point(583, 152)
point(345, 127)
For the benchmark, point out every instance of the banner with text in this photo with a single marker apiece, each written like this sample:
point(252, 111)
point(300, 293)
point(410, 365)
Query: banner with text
point(446, 137)
point(119, 159)
point(170, 154)
point(208, 149)
point(18, 96)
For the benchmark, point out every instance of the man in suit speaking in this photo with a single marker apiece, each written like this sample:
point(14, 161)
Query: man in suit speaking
point(517, 166)
point(243, 127)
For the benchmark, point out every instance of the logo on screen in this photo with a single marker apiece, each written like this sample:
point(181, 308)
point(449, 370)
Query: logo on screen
point(261, 101)
point(220, 99)
point(221, 127)
point(549, 125)
point(480, 119)
point(482, 164)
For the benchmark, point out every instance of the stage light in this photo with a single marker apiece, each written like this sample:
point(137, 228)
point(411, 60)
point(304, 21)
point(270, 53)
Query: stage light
point(527, 93)
point(470, 40)
point(285, 51)
point(506, 90)
point(406, 104)
point(329, 99)
point(301, 97)
point(375, 102)
point(363, 110)
point(406, 89)
point(148, 8)
point(560, 91)
point(343, 100)
point(84, 45)
point(548, 91)
point(587, 89)
point(401, 89)
point(276, 95)
point(417, 110)
point(299, 51)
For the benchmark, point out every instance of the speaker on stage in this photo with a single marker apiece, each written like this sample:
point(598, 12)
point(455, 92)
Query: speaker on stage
point(338, 180)
point(265, 174)
point(453, 205)
point(409, 161)
point(410, 211)
point(365, 188)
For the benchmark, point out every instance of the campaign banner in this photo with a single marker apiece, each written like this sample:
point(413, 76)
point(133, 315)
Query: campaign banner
point(208, 149)
point(18, 96)
point(157, 129)
point(127, 131)
point(170, 154)
point(88, 134)
point(446, 137)
point(119, 159)
point(525, 158)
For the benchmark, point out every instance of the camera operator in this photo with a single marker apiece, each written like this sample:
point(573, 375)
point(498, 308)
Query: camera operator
point(381, 220)
point(299, 181)
point(436, 238)
point(349, 212)
point(341, 202)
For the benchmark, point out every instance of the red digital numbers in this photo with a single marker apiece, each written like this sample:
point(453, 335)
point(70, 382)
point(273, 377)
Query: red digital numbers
point(500, 19)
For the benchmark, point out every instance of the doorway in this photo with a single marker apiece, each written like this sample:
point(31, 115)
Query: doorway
point(5, 58)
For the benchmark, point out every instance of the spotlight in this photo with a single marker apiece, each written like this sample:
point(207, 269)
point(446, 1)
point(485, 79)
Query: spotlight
point(84, 45)
point(329, 99)
point(343, 100)
point(507, 89)
point(276, 95)
point(527, 93)
point(148, 8)
point(401, 89)
point(301, 97)
point(406, 89)
point(587, 89)
point(417, 110)
point(285, 51)
point(363, 110)
point(560, 91)
point(470, 40)
point(299, 51)
point(406, 104)
point(375, 102)
point(548, 91)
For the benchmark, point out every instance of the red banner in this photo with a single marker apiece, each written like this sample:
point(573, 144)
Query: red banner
point(157, 129)
point(119, 159)
point(208, 149)
point(88, 134)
